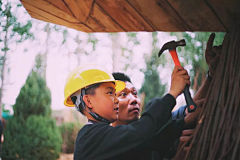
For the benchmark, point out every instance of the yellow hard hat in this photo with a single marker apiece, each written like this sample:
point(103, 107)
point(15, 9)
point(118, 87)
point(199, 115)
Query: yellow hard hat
point(86, 75)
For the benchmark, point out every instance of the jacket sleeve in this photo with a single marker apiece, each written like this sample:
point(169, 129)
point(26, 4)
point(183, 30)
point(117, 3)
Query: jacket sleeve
point(166, 136)
point(171, 131)
point(105, 142)
point(166, 139)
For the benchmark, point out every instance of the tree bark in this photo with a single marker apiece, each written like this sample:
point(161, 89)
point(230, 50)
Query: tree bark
point(217, 134)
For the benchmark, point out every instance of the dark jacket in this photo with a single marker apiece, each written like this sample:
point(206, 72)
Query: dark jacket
point(170, 132)
point(133, 141)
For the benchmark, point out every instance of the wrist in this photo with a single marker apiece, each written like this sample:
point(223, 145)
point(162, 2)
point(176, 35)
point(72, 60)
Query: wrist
point(173, 94)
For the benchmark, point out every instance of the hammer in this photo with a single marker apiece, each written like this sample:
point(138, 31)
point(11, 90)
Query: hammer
point(171, 46)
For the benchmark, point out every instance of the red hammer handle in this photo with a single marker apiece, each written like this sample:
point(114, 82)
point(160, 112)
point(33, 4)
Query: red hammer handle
point(175, 57)
point(191, 105)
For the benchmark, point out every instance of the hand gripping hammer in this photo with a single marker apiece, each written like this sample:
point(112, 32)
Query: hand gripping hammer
point(171, 46)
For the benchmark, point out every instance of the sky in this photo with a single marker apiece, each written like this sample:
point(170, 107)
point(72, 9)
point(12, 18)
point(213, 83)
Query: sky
point(61, 58)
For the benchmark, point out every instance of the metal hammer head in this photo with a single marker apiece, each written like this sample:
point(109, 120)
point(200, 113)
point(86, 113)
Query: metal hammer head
point(172, 45)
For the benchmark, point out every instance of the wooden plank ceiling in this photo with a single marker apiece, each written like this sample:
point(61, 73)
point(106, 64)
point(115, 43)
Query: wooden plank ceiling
point(137, 15)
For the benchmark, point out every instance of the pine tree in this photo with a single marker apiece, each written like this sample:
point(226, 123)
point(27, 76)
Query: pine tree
point(34, 98)
point(35, 138)
point(31, 133)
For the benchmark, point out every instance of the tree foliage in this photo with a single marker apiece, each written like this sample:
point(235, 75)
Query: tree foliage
point(193, 54)
point(132, 40)
point(11, 32)
point(35, 138)
point(34, 98)
point(152, 86)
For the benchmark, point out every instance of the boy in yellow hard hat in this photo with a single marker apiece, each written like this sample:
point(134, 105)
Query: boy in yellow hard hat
point(91, 89)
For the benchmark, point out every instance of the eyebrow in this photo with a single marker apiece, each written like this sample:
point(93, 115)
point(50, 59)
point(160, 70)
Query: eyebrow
point(126, 89)
point(134, 88)
point(111, 88)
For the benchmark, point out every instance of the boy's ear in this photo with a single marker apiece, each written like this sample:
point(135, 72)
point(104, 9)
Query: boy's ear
point(87, 101)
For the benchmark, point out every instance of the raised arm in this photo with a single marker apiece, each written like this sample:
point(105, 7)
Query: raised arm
point(212, 56)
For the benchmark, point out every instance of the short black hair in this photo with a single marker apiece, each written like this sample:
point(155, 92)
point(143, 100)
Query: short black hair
point(121, 77)
point(91, 88)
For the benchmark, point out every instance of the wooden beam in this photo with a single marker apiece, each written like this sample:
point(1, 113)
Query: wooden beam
point(101, 21)
point(43, 15)
point(197, 15)
point(80, 8)
point(46, 15)
point(227, 11)
point(49, 9)
point(125, 15)
point(137, 15)
point(95, 25)
point(81, 27)
point(39, 17)
point(159, 15)
point(60, 5)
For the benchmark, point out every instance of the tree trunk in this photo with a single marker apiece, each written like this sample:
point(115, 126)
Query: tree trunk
point(195, 82)
point(217, 134)
point(47, 29)
point(116, 52)
point(4, 60)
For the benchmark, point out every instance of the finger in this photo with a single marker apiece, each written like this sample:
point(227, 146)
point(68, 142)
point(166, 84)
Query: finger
point(200, 103)
point(210, 44)
point(176, 69)
point(184, 138)
point(186, 77)
point(182, 72)
point(186, 148)
point(179, 68)
point(187, 132)
point(200, 100)
point(217, 49)
point(188, 82)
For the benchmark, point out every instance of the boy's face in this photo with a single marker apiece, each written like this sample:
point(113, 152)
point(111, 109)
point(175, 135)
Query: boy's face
point(129, 104)
point(104, 101)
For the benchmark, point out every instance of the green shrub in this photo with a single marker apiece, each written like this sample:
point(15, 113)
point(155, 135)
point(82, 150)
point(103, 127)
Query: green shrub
point(69, 133)
point(32, 139)
point(34, 98)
